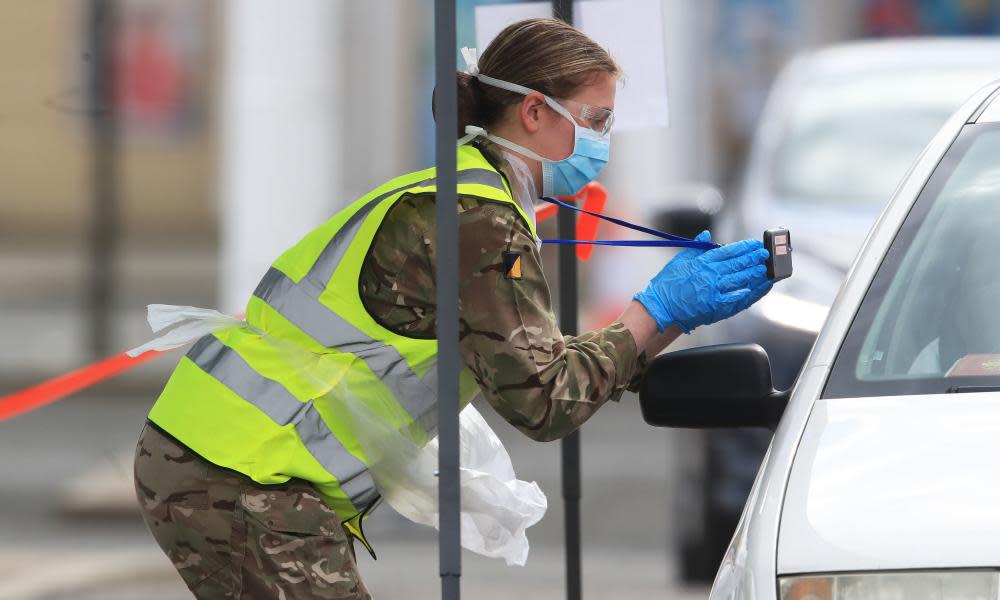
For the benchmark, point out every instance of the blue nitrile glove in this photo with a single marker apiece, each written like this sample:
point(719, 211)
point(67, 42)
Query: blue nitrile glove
point(700, 287)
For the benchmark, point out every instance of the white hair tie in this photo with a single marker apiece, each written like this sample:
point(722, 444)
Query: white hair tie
point(471, 57)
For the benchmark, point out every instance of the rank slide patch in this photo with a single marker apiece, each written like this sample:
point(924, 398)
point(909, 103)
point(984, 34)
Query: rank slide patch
point(512, 265)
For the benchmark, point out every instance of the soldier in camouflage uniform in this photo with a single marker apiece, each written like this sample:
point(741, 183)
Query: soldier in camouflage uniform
point(230, 537)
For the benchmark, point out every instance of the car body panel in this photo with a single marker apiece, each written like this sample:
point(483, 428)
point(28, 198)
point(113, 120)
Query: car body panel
point(900, 482)
point(749, 565)
point(989, 112)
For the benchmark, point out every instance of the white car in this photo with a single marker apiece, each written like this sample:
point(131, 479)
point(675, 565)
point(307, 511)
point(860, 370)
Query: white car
point(881, 481)
point(841, 126)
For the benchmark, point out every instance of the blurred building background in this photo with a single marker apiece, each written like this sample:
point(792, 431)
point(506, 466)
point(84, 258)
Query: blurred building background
point(165, 151)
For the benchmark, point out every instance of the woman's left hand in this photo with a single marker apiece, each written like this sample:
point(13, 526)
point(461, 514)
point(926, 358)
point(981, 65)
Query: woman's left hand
point(693, 290)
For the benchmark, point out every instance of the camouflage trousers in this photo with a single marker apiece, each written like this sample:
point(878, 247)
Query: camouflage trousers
point(230, 537)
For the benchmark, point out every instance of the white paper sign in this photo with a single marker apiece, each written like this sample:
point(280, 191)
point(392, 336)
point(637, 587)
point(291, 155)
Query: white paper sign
point(631, 30)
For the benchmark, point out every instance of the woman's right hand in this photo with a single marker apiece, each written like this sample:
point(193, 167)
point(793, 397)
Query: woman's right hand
point(700, 287)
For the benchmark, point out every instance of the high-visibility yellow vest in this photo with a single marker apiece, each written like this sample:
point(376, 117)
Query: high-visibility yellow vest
point(240, 402)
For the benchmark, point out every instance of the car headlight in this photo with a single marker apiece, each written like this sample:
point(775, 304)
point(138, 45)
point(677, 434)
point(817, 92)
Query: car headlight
point(916, 585)
point(793, 312)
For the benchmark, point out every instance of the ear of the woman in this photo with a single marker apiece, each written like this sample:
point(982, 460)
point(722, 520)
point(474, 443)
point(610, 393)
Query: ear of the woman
point(532, 111)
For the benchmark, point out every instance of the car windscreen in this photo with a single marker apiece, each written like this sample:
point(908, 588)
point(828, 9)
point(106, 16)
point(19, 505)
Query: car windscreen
point(930, 321)
point(849, 140)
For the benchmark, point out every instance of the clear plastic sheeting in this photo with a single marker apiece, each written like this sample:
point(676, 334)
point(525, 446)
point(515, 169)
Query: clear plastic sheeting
point(191, 323)
point(497, 508)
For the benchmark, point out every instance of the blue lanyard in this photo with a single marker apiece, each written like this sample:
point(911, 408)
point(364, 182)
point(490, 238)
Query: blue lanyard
point(666, 239)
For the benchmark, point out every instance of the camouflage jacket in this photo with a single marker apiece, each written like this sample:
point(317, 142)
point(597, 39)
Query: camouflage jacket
point(540, 381)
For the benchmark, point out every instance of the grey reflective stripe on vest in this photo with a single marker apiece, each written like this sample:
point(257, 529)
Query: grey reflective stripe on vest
point(273, 399)
point(299, 304)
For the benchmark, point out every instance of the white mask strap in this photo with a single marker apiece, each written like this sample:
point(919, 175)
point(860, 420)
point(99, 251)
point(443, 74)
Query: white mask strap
point(472, 132)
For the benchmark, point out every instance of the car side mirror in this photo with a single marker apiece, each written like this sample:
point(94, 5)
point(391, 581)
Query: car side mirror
point(712, 386)
point(692, 209)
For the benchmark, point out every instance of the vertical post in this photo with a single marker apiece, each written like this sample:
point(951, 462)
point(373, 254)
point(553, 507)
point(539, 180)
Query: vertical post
point(449, 494)
point(568, 324)
point(103, 230)
point(571, 490)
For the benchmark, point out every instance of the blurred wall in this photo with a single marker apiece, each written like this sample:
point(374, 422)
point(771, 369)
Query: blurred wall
point(45, 181)
point(43, 149)
point(386, 101)
point(311, 121)
point(281, 154)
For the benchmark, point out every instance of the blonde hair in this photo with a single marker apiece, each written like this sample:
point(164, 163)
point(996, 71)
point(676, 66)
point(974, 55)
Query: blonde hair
point(546, 55)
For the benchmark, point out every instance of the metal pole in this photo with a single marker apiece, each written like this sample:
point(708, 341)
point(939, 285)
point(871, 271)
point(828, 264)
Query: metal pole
point(103, 230)
point(569, 324)
point(449, 494)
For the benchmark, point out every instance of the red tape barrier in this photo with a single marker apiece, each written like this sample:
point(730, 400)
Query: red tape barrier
point(58, 388)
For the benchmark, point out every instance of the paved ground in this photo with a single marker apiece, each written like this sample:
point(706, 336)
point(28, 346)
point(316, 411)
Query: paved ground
point(47, 552)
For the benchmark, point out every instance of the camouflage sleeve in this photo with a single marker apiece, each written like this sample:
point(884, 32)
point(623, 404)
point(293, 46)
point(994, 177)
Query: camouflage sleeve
point(540, 381)
point(632, 384)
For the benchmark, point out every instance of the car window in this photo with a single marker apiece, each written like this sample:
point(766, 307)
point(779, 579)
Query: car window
point(930, 322)
point(850, 140)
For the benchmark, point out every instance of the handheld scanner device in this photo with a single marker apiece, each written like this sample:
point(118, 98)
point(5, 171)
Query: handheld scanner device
point(779, 244)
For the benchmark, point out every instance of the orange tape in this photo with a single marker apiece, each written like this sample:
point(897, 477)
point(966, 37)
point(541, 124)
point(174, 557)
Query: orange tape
point(593, 197)
point(545, 212)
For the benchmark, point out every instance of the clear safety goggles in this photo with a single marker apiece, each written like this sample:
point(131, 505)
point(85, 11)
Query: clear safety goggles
point(592, 117)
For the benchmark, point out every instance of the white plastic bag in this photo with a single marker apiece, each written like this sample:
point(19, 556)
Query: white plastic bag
point(497, 507)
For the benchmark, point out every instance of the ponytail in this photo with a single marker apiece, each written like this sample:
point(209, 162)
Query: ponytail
point(468, 102)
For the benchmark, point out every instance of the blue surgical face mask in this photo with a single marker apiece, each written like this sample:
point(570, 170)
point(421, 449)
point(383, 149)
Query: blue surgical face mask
point(563, 177)
point(568, 176)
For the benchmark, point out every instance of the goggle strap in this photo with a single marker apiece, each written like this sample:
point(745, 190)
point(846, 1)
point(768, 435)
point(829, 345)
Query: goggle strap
point(524, 91)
